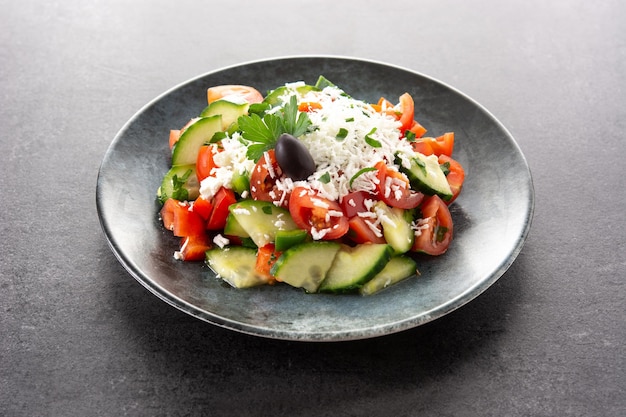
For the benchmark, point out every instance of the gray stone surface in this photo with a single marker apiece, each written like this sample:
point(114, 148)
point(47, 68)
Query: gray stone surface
point(80, 336)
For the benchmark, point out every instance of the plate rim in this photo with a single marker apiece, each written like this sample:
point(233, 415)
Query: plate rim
point(321, 336)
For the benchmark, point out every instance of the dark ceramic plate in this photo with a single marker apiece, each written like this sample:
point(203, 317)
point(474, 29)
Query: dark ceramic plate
point(492, 216)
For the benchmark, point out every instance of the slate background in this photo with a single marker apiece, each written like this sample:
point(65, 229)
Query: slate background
point(80, 337)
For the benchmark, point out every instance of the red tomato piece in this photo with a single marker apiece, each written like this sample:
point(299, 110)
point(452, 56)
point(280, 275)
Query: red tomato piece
point(307, 106)
point(250, 94)
point(193, 248)
point(361, 232)
point(417, 129)
point(319, 216)
point(174, 136)
point(205, 162)
point(178, 217)
point(222, 200)
point(355, 202)
point(408, 111)
point(435, 228)
point(266, 257)
point(394, 188)
point(441, 145)
point(455, 177)
point(203, 207)
point(263, 181)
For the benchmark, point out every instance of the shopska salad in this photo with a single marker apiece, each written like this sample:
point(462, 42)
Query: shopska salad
point(309, 187)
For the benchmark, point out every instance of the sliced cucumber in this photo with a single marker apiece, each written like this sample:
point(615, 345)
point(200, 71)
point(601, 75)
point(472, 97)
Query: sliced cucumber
point(233, 228)
point(273, 97)
point(396, 227)
point(180, 183)
point(397, 269)
point(426, 175)
point(229, 110)
point(261, 220)
point(305, 265)
point(354, 266)
point(200, 132)
point(235, 265)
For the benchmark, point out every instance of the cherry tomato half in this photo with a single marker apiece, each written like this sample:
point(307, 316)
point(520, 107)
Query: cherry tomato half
point(361, 232)
point(319, 216)
point(436, 231)
point(455, 176)
point(205, 162)
point(250, 94)
point(263, 181)
point(394, 188)
point(355, 202)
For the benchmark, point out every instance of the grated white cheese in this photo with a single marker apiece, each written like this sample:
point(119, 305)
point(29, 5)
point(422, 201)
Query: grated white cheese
point(221, 241)
point(342, 158)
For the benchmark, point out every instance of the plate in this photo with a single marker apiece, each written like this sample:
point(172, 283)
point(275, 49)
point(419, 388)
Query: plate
point(492, 216)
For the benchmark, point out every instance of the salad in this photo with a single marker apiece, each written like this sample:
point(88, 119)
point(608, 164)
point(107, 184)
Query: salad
point(309, 187)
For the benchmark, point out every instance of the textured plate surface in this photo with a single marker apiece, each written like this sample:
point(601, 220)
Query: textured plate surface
point(492, 216)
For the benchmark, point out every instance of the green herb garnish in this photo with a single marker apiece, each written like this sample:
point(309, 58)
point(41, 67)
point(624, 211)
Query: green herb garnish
point(264, 131)
point(179, 192)
point(325, 178)
point(371, 141)
point(342, 134)
point(358, 174)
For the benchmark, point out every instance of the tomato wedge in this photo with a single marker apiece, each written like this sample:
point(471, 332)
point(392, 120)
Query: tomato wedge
point(455, 176)
point(203, 207)
point(435, 229)
point(441, 145)
point(408, 111)
point(265, 258)
point(319, 216)
point(178, 217)
point(250, 94)
point(307, 106)
point(417, 129)
point(263, 181)
point(205, 162)
point(361, 232)
point(222, 200)
point(394, 188)
point(193, 248)
point(174, 136)
point(354, 202)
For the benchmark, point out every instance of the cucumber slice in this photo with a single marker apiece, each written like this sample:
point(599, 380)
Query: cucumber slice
point(261, 220)
point(305, 265)
point(396, 225)
point(235, 265)
point(229, 110)
point(233, 228)
point(426, 175)
point(397, 269)
point(273, 97)
point(200, 132)
point(354, 266)
point(180, 183)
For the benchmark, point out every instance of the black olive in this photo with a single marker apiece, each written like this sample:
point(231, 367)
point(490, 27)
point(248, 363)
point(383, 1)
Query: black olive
point(293, 157)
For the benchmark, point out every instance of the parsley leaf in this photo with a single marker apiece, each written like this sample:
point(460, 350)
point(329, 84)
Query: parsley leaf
point(179, 192)
point(358, 174)
point(263, 130)
point(325, 178)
